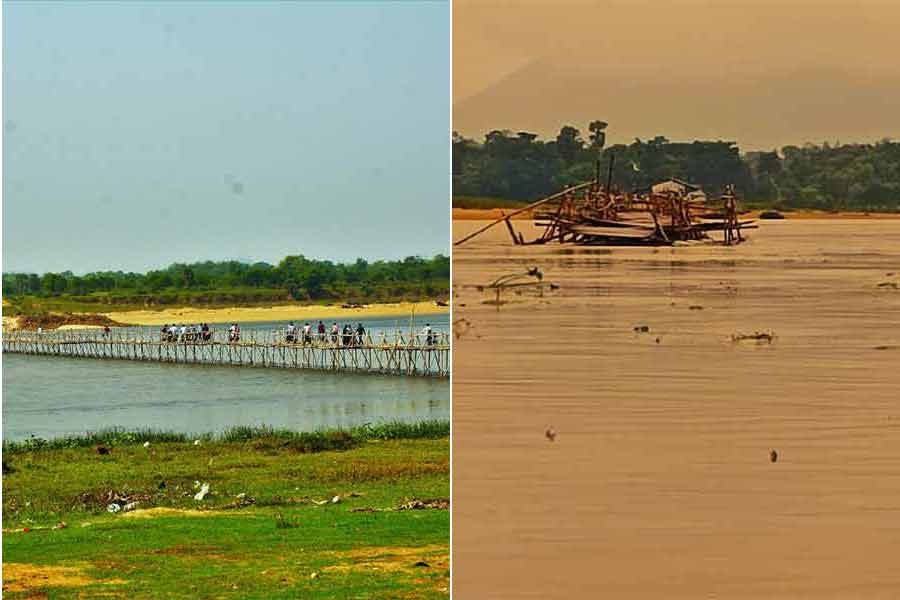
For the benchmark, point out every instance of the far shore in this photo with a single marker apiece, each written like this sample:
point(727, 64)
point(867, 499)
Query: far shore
point(250, 314)
point(489, 214)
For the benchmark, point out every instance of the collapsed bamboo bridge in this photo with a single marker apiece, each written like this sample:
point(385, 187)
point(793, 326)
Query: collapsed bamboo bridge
point(414, 354)
point(594, 214)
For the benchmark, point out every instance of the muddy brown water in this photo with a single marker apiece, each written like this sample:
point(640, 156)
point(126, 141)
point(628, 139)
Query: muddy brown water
point(660, 482)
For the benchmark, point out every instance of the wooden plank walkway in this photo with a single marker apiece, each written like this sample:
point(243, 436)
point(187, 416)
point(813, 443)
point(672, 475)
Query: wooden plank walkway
point(396, 354)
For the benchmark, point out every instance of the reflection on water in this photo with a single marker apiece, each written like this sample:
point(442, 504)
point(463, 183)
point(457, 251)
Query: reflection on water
point(659, 483)
point(47, 396)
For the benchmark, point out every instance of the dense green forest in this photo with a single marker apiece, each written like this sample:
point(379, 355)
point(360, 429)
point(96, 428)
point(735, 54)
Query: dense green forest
point(294, 278)
point(520, 166)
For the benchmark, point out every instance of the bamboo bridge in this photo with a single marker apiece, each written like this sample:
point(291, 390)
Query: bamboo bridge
point(394, 354)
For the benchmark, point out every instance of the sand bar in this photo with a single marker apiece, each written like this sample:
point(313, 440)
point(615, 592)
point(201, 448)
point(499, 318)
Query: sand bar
point(272, 313)
point(490, 214)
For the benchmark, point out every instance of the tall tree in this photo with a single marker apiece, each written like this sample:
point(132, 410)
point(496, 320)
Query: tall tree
point(597, 135)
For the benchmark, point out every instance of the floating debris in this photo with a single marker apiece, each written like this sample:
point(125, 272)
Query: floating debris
point(550, 434)
point(531, 279)
point(642, 329)
point(773, 456)
point(756, 337)
point(461, 327)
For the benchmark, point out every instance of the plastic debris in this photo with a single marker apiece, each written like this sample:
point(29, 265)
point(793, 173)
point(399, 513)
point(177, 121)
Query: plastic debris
point(204, 490)
point(196, 442)
point(129, 506)
point(113, 507)
point(336, 500)
point(146, 444)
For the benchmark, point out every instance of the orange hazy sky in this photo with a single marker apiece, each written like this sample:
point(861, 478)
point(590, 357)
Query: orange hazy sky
point(762, 72)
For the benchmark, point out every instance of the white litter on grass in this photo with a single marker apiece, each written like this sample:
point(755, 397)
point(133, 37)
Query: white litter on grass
point(204, 490)
point(146, 444)
point(336, 499)
point(196, 442)
point(113, 508)
point(129, 506)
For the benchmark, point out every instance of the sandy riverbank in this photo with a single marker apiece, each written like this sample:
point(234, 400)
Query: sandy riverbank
point(250, 314)
point(486, 214)
point(489, 214)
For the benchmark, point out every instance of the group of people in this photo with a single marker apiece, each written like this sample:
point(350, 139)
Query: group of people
point(347, 335)
point(185, 333)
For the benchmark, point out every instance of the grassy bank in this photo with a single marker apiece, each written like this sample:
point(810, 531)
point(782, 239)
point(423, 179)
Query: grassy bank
point(267, 528)
point(100, 302)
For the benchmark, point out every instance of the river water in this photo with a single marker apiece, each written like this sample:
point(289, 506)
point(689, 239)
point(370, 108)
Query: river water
point(659, 483)
point(49, 396)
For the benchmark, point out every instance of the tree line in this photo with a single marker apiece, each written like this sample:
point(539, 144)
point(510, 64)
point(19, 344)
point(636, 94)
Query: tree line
point(520, 166)
point(297, 277)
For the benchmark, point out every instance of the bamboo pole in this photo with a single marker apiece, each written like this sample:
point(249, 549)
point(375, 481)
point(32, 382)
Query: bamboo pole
point(523, 209)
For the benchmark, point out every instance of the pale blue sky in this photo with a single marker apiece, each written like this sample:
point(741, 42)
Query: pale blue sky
point(140, 134)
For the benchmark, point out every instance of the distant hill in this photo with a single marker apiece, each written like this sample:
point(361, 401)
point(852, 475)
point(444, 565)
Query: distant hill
point(760, 111)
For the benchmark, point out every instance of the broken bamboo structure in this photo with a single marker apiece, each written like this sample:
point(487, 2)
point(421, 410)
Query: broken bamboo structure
point(591, 213)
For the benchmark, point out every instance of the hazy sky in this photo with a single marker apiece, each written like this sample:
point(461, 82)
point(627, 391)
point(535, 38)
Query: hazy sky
point(140, 134)
point(762, 72)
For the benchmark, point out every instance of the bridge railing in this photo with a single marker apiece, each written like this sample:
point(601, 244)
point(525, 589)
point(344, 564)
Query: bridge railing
point(437, 339)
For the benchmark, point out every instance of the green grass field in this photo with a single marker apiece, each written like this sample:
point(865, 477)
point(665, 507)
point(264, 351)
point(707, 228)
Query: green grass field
point(267, 529)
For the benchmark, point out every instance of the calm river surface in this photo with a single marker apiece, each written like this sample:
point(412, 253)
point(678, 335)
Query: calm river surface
point(49, 396)
point(660, 483)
